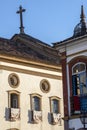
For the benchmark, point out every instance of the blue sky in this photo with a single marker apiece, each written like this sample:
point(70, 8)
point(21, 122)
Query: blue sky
point(47, 20)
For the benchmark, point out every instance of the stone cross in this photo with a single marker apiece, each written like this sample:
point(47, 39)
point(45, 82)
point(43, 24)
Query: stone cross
point(20, 11)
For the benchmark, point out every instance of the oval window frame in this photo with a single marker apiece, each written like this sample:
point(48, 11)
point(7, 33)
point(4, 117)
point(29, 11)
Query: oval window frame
point(44, 82)
point(15, 76)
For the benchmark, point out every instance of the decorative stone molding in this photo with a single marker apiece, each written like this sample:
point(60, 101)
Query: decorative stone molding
point(13, 80)
point(37, 116)
point(15, 114)
point(45, 86)
point(12, 129)
point(56, 118)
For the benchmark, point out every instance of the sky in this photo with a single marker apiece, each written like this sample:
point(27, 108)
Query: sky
point(47, 20)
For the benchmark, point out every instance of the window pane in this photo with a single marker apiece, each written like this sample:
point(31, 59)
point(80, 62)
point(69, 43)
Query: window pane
point(75, 84)
point(55, 106)
point(36, 103)
point(83, 103)
point(75, 69)
point(79, 68)
point(14, 101)
point(79, 84)
point(83, 84)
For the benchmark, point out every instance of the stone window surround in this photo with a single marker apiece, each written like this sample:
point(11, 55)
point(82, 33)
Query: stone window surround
point(9, 97)
point(57, 98)
point(31, 100)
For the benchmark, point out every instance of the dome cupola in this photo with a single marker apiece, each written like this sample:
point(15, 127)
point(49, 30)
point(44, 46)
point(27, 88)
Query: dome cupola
point(81, 28)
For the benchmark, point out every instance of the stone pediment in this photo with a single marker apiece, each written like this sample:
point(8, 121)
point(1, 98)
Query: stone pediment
point(25, 46)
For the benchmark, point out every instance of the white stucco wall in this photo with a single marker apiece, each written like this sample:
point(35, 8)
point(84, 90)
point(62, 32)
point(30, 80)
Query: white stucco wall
point(29, 84)
point(76, 49)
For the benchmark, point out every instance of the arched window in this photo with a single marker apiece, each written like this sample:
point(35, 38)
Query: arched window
point(79, 87)
point(36, 108)
point(36, 103)
point(14, 105)
point(79, 67)
point(55, 110)
point(14, 100)
point(79, 79)
point(54, 105)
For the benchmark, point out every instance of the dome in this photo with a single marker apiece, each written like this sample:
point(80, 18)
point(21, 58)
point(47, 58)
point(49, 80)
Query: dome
point(81, 28)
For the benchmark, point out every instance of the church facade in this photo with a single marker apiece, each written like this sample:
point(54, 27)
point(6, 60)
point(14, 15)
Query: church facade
point(31, 84)
point(74, 68)
point(43, 86)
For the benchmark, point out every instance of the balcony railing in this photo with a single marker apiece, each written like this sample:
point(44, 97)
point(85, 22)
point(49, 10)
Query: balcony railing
point(14, 114)
point(56, 118)
point(36, 116)
point(78, 103)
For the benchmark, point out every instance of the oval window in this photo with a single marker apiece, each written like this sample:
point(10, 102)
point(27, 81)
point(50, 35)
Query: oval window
point(45, 86)
point(13, 80)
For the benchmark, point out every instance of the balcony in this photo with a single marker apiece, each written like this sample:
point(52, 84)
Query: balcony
point(12, 114)
point(78, 103)
point(56, 118)
point(36, 116)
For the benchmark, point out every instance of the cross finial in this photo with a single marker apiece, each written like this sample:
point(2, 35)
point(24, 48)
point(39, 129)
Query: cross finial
point(20, 11)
